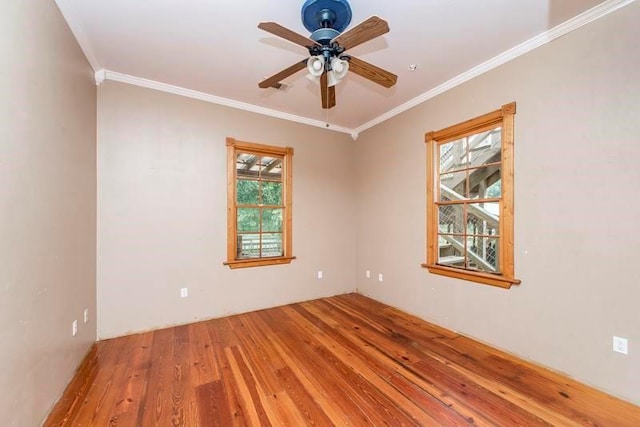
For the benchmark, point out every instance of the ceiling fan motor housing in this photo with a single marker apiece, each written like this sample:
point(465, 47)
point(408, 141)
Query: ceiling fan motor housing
point(326, 14)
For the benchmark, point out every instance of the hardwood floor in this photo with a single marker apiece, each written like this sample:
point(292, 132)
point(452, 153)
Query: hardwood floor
point(345, 360)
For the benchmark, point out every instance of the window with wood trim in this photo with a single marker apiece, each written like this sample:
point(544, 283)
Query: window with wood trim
point(470, 199)
point(258, 204)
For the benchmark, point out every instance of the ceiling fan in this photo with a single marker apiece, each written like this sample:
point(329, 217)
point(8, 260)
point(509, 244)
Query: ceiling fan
point(326, 20)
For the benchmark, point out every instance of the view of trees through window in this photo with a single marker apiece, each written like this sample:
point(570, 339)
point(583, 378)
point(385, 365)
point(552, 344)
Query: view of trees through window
point(259, 196)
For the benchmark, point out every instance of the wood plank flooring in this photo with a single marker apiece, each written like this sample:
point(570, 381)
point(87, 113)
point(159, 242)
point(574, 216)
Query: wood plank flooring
point(345, 361)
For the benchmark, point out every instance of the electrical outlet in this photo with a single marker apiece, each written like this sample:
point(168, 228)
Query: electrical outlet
point(620, 345)
point(380, 278)
point(74, 328)
point(86, 315)
point(184, 292)
point(368, 274)
point(320, 274)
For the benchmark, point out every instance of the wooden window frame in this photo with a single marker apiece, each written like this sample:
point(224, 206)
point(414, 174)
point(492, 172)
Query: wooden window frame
point(233, 147)
point(503, 117)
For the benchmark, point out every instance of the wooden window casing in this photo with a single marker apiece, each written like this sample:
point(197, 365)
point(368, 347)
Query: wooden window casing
point(502, 121)
point(284, 156)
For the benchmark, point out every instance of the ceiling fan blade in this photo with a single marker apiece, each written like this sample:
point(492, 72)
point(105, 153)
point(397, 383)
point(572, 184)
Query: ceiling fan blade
point(327, 92)
point(287, 34)
point(363, 32)
point(371, 72)
point(276, 78)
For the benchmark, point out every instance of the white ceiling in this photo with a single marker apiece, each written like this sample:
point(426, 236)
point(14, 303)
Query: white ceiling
point(214, 47)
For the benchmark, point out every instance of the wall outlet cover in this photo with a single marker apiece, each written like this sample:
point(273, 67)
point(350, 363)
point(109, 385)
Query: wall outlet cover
point(620, 345)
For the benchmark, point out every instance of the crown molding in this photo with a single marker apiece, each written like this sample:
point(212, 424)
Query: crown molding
point(177, 90)
point(100, 76)
point(78, 33)
point(566, 27)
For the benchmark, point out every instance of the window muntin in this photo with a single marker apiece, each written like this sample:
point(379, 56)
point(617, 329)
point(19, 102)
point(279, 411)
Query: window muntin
point(259, 198)
point(470, 199)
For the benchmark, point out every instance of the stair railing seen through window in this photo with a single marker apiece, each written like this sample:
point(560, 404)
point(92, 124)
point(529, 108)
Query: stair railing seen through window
point(470, 199)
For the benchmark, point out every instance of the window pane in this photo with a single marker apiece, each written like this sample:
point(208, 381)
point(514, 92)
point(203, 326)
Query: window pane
point(271, 168)
point(481, 179)
point(272, 193)
point(482, 254)
point(451, 251)
point(272, 220)
point(248, 219)
point(495, 189)
point(485, 147)
point(248, 246)
point(453, 186)
point(452, 258)
point(458, 241)
point(272, 244)
point(483, 218)
point(451, 219)
point(246, 165)
point(453, 155)
point(247, 192)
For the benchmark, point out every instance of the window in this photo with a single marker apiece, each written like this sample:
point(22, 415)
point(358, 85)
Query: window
point(258, 204)
point(470, 199)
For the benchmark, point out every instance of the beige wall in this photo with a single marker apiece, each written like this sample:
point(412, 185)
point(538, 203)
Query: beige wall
point(47, 208)
point(577, 208)
point(162, 211)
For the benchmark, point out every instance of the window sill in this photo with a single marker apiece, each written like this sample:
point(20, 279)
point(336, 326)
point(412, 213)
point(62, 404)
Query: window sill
point(258, 262)
point(473, 276)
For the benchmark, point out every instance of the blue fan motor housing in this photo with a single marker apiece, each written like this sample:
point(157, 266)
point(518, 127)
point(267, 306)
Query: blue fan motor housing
point(314, 11)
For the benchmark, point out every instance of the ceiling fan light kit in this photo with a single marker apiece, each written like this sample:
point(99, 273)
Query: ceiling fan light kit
point(339, 69)
point(315, 65)
point(326, 20)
